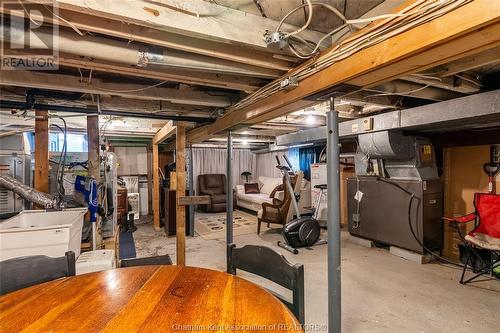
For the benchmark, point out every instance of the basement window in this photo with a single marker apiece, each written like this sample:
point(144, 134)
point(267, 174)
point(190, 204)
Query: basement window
point(77, 143)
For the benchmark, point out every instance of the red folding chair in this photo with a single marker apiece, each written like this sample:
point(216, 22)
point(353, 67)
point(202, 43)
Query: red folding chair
point(485, 236)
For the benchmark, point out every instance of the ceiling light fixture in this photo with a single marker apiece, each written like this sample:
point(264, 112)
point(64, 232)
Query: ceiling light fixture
point(311, 120)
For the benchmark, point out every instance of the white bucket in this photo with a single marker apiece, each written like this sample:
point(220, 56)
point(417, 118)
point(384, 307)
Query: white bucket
point(39, 232)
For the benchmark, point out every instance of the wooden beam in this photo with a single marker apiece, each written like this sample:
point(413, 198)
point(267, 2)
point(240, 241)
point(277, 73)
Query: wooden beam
point(164, 133)
point(180, 166)
point(421, 90)
point(156, 189)
point(96, 86)
point(210, 21)
point(448, 83)
point(487, 57)
point(153, 36)
point(41, 180)
point(93, 138)
point(457, 34)
point(194, 200)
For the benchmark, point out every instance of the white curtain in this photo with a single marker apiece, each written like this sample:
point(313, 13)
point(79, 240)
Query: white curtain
point(266, 163)
point(213, 160)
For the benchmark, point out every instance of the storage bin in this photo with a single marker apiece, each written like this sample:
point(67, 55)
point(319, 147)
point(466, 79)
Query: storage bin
point(95, 261)
point(39, 232)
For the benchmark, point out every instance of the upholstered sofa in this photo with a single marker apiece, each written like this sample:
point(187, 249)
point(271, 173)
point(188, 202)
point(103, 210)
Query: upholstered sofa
point(213, 185)
point(266, 186)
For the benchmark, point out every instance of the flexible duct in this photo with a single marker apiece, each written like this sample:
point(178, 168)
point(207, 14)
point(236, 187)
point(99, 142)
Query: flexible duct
point(43, 199)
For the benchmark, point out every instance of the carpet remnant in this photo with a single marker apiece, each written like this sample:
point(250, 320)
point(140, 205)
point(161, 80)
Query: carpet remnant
point(127, 245)
point(213, 225)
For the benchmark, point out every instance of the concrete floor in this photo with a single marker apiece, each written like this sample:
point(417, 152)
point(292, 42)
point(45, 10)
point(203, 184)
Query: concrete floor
point(380, 292)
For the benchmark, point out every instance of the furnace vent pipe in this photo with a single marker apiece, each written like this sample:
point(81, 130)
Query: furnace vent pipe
point(43, 199)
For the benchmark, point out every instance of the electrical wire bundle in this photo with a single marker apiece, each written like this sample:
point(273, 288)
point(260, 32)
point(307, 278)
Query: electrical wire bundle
point(420, 12)
point(62, 158)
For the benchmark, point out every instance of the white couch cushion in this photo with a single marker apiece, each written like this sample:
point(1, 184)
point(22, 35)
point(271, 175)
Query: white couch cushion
point(268, 184)
point(257, 198)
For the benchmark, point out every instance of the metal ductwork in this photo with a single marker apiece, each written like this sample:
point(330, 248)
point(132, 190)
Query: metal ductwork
point(43, 199)
point(132, 53)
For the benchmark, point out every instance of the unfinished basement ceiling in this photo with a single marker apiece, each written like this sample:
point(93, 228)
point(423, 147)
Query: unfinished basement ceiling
point(167, 59)
point(323, 21)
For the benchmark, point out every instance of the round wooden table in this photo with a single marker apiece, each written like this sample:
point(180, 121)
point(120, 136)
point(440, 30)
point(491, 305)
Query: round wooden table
point(147, 299)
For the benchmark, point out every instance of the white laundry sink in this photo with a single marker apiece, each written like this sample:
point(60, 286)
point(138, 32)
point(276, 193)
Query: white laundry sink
point(40, 232)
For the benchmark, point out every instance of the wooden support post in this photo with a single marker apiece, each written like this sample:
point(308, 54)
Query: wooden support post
point(94, 167)
point(41, 181)
point(166, 131)
point(156, 189)
point(180, 166)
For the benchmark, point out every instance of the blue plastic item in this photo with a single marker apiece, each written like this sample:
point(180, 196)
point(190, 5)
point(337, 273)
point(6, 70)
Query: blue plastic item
point(88, 187)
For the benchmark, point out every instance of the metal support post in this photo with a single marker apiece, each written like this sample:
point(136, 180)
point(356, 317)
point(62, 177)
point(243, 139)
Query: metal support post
point(191, 190)
point(333, 182)
point(229, 190)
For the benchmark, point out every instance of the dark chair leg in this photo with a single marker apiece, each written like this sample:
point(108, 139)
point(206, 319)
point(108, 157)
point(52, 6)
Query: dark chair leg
point(465, 266)
point(484, 268)
point(258, 226)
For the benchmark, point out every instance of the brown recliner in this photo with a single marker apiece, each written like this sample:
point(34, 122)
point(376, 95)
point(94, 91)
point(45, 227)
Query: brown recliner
point(214, 185)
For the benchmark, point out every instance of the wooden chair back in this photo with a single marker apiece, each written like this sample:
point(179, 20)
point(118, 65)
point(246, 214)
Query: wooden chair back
point(269, 264)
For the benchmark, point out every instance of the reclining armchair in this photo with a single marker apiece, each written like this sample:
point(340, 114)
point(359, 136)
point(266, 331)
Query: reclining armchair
point(485, 236)
point(214, 185)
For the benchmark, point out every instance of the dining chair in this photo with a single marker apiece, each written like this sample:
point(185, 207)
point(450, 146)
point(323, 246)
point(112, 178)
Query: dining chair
point(156, 260)
point(22, 272)
point(273, 266)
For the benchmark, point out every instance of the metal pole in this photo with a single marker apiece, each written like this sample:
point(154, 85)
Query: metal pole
point(229, 189)
point(191, 190)
point(333, 181)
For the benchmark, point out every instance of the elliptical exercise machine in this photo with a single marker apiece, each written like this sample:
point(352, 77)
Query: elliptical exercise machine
point(302, 231)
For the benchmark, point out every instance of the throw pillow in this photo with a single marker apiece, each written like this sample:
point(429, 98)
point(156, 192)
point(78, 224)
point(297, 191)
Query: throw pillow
point(252, 188)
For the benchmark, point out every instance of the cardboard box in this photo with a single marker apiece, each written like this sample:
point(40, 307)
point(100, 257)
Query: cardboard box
point(463, 176)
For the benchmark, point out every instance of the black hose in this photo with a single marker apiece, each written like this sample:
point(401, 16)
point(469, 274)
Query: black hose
point(62, 158)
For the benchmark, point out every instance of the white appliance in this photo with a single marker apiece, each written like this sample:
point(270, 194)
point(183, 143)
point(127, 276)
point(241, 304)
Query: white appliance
point(110, 161)
point(15, 161)
point(95, 261)
point(134, 201)
point(318, 177)
point(39, 232)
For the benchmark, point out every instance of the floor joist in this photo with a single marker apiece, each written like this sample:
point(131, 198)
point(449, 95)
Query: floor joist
point(209, 20)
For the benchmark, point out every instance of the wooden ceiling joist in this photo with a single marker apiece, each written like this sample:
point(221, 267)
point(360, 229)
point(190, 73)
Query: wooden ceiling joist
point(459, 33)
point(96, 86)
point(447, 83)
point(421, 90)
point(488, 57)
point(146, 34)
point(164, 133)
point(196, 18)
